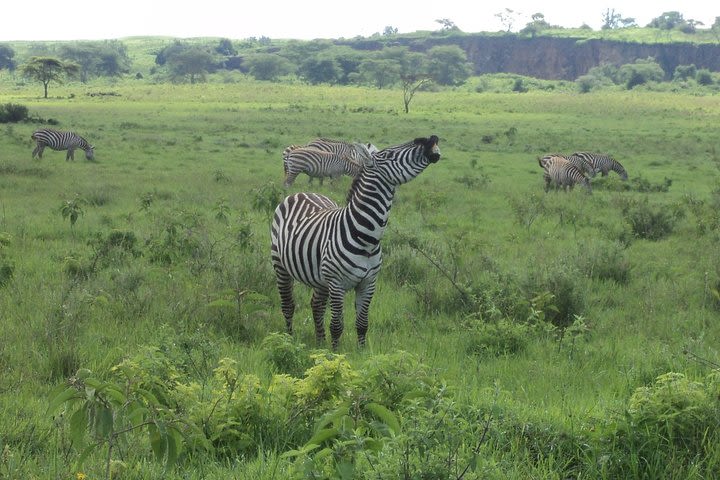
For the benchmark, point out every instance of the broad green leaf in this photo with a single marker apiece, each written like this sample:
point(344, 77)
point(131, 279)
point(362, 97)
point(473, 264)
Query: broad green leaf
point(385, 415)
point(323, 435)
point(345, 470)
point(158, 442)
point(62, 396)
point(78, 426)
point(103, 422)
point(222, 303)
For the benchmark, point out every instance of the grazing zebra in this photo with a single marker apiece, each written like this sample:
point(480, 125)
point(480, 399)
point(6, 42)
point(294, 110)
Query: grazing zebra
point(57, 140)
point(602, 163)
point(357, 151)
point(560, 171)
point(317, 164)
point(333, 249)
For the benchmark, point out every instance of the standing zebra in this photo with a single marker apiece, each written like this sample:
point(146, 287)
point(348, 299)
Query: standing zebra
point(602, 163)
point(333, 249)
point(317, 164)
point(357, 151)
point(57, 140)
point(560, 171)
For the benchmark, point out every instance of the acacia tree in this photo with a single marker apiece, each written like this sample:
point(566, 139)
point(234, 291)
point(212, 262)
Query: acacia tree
point(48, 69)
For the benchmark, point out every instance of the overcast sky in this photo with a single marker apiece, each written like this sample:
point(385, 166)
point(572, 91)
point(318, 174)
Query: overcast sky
point(307, 19)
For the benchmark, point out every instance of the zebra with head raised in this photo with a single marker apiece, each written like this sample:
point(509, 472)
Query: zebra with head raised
point(602, 163)
point(559, 170)
point(47, 137)
point(334, 249)
point(317, 164)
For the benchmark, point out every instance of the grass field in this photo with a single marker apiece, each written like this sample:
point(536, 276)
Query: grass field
point(531, 319)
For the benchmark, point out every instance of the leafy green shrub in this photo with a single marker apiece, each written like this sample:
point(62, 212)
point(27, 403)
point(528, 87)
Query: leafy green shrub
point(497, 338)
point(284, 354)
point(669, 424)
point(649, 222)
point(13, 113)
point(560, 287)
point(604, 260)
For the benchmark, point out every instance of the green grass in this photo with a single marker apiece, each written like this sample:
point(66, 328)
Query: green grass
point(168, 154)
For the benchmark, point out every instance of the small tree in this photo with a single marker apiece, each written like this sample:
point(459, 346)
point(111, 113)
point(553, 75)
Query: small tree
point(48, 69)
point(267, 66)
point(192, 63)
point(6, 57)
point(448, 65)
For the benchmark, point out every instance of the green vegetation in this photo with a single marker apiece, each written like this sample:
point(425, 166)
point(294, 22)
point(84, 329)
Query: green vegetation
point(514, 333)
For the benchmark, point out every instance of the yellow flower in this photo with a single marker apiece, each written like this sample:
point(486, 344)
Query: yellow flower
point(80, 476)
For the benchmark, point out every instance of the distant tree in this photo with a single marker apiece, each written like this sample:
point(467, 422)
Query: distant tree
point(507, 19)
point(320, 69)
point(108, 58)
point(613, 20)
point(715, 29)
point(537, 25)
point(414, 75)
point(48, 69)
point(704, 77)
point(389, 31)
point(640, 72)
point(683, 72)
point(379, 72)
point(267, 66)
point(192, 64)
point(448, 65)
point(447, 25)
point(225, 47)
point(667, 21)
point(6, 58)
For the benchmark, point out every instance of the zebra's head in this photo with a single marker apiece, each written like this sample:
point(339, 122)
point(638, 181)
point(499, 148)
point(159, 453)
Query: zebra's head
point(432, 151)
point(90, 152)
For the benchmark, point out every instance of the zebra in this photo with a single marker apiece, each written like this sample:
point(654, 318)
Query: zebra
point(559, 170)
point(333, 249)
point(357, 151)
point(602, 163)
point(57, 140)
point(317, 164)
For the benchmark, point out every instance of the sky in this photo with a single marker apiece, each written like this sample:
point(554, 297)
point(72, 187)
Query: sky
point(307, 19)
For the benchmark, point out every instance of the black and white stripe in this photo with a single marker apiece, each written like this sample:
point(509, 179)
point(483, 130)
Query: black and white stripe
point(560, 171)
point(602, 163)
point(334, 249)
point(58, 140)
point(317, 164)
point(359, 152)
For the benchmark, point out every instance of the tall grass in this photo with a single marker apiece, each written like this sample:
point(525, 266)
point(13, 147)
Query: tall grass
point(473, 246)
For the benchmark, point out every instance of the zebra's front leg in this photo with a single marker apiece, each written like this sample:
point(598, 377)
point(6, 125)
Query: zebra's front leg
point(287, 303)
point(319, 305)
point(363, 296)
point(70, 154)
point(337, 298)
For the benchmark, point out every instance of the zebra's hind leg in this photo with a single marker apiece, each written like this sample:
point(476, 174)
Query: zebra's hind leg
point(337, 298)
point(319, 305)
point(38, 151)
point(287, 302)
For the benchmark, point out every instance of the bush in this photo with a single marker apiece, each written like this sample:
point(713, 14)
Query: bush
point(285, 355)
point(560, 290)
point(670, 425)
point(497, 338)
point(649, 222)
point(13, 113)
point(604, 260)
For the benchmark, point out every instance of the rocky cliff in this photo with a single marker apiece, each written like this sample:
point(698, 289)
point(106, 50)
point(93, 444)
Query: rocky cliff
point(555, 58)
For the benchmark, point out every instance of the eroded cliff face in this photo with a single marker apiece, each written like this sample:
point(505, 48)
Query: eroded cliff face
point(567, 59)
point(559, 58)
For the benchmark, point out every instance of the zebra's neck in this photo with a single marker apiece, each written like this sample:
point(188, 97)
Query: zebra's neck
point(368, 209)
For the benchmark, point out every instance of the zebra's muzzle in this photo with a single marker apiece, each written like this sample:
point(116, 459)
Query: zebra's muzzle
point(434, 157)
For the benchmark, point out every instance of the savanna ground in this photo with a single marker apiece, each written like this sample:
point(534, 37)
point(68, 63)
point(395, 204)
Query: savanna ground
point(511, 335)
